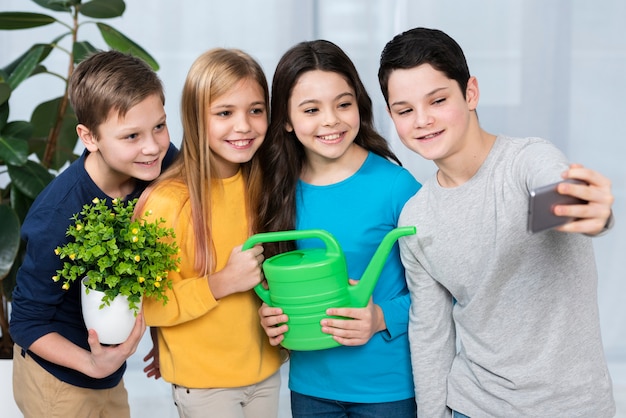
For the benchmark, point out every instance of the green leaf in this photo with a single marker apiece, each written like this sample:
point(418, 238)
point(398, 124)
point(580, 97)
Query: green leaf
point(14, 142)
point(58, 5)
point(103, 9)
point(30, 179)
point(82, 50)
point(13, 151)
point(10, 242)
point(23, 20)
point(20, 203)
point(120, 42)
point(43, 119)
point(18, 129)
point(5, 92)
point(25, 68)
point(47, 48)
point(4, 114)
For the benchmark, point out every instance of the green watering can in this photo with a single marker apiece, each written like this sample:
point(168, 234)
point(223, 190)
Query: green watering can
point(304, 283)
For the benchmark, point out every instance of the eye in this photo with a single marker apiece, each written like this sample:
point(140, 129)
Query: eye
point(131, 136)
point(311, 110)
point(159, 127)
point(344, 105)
point(224, 113)
point(404, 111)
point(257, 111)
point(439, 101)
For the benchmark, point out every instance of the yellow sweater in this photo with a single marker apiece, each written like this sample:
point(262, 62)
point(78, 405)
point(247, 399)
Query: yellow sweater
point(204, 343)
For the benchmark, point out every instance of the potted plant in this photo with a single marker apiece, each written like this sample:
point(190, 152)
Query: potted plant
point(120, 258)
point(50, 134)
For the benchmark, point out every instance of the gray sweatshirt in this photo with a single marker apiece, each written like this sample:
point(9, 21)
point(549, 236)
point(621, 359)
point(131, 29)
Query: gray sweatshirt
point(522, 306)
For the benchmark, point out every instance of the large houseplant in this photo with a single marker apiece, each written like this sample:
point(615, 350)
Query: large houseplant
point(50, 134)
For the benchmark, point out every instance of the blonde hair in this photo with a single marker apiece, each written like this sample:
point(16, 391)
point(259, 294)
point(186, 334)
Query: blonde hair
point(213, 74)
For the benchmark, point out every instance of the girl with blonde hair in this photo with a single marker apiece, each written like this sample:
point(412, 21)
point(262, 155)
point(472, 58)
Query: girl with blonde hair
point(211, 347)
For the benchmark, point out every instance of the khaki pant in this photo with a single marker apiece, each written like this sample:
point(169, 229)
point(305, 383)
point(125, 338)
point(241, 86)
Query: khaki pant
point(39, 394)
point(255, 401)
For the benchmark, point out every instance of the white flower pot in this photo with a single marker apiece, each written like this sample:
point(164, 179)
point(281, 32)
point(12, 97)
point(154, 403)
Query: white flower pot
point(113, 323)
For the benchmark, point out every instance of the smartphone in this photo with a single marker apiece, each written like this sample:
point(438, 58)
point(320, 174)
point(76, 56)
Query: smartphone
point(541, 206)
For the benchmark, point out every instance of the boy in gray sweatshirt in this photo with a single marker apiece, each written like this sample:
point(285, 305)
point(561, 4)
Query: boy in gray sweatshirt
point(522, 306)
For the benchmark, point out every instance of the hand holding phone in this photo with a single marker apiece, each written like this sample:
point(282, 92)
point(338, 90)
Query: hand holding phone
point(541, 206)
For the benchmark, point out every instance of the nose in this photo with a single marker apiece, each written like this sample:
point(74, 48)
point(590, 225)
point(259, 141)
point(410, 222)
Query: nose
point(242, 124)
point(422, 119)
point(330, 118)
point(150, 145)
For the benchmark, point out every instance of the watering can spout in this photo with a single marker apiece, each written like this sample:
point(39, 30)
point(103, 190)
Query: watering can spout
point(361, 292)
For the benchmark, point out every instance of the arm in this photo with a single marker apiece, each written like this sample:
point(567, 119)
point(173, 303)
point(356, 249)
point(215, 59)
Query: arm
point(98, 363)
point(596, 216)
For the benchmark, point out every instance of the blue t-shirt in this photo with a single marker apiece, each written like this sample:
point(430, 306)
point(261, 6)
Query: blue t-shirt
point(40, 306)
point(359, 212)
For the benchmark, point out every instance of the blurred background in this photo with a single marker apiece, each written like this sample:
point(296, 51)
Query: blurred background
point(548, 68)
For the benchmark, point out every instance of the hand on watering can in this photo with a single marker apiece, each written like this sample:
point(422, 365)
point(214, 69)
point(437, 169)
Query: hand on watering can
point(365, 322)
point(273, 322)
point(241, 273)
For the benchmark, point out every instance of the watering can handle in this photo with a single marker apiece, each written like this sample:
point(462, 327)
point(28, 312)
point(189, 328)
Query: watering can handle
point(332, 247)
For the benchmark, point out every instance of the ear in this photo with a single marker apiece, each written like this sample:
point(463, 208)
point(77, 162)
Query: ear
point(288, 127)
point(472, 93)
point(87, 137)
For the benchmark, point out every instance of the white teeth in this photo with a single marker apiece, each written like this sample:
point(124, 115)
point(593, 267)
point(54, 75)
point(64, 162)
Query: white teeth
point(240, 143)
point(330, 137)
point(429, 136)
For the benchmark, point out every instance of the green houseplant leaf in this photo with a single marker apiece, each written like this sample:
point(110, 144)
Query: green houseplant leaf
point(25, 68)
point(23, 20)
point(103, 9)
point(10, 242)
point(30, 178)
point(58, 5)
point(117, 40)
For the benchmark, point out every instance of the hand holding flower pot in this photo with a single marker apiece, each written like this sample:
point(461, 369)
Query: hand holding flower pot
point(119, 255)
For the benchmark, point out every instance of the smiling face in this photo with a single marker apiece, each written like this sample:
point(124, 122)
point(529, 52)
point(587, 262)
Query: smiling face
point(430, 113)
point(324, 115)
point(237, 122)
point(127, 147)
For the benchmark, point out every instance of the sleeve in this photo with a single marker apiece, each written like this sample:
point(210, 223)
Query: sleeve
point(539, 163)
point(37, 299)
point(432, 335)
point(190, 296)
point(396, 310)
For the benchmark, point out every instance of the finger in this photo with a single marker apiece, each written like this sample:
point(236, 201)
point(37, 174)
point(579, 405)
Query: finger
point(94, 342)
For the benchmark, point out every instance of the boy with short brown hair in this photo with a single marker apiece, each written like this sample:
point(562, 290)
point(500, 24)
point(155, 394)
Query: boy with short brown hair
point(59, 366)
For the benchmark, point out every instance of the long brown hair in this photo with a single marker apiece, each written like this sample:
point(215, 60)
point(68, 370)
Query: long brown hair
point(213, 74)
point(282, 155)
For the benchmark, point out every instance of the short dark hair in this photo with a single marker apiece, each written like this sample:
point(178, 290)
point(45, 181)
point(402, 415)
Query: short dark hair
point(110, 80)
point(423, 46)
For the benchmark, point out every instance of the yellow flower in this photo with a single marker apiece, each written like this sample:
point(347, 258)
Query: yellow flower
point(65, 286)
point(79, 227)
point(135, 239)
point(137, 258)
point(55, 278)
point(158, 278)
point(96, 200)
point(56, 251)
point(135, 231)
point(141, 279)
point(115, 201)
point(157, 284)
point(72, 256)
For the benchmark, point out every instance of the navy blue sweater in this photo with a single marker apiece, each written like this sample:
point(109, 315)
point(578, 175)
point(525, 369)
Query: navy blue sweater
point(40, 306)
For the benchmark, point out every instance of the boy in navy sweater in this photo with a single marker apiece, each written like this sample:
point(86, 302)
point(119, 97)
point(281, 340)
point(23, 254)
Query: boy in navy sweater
point(59, 366)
